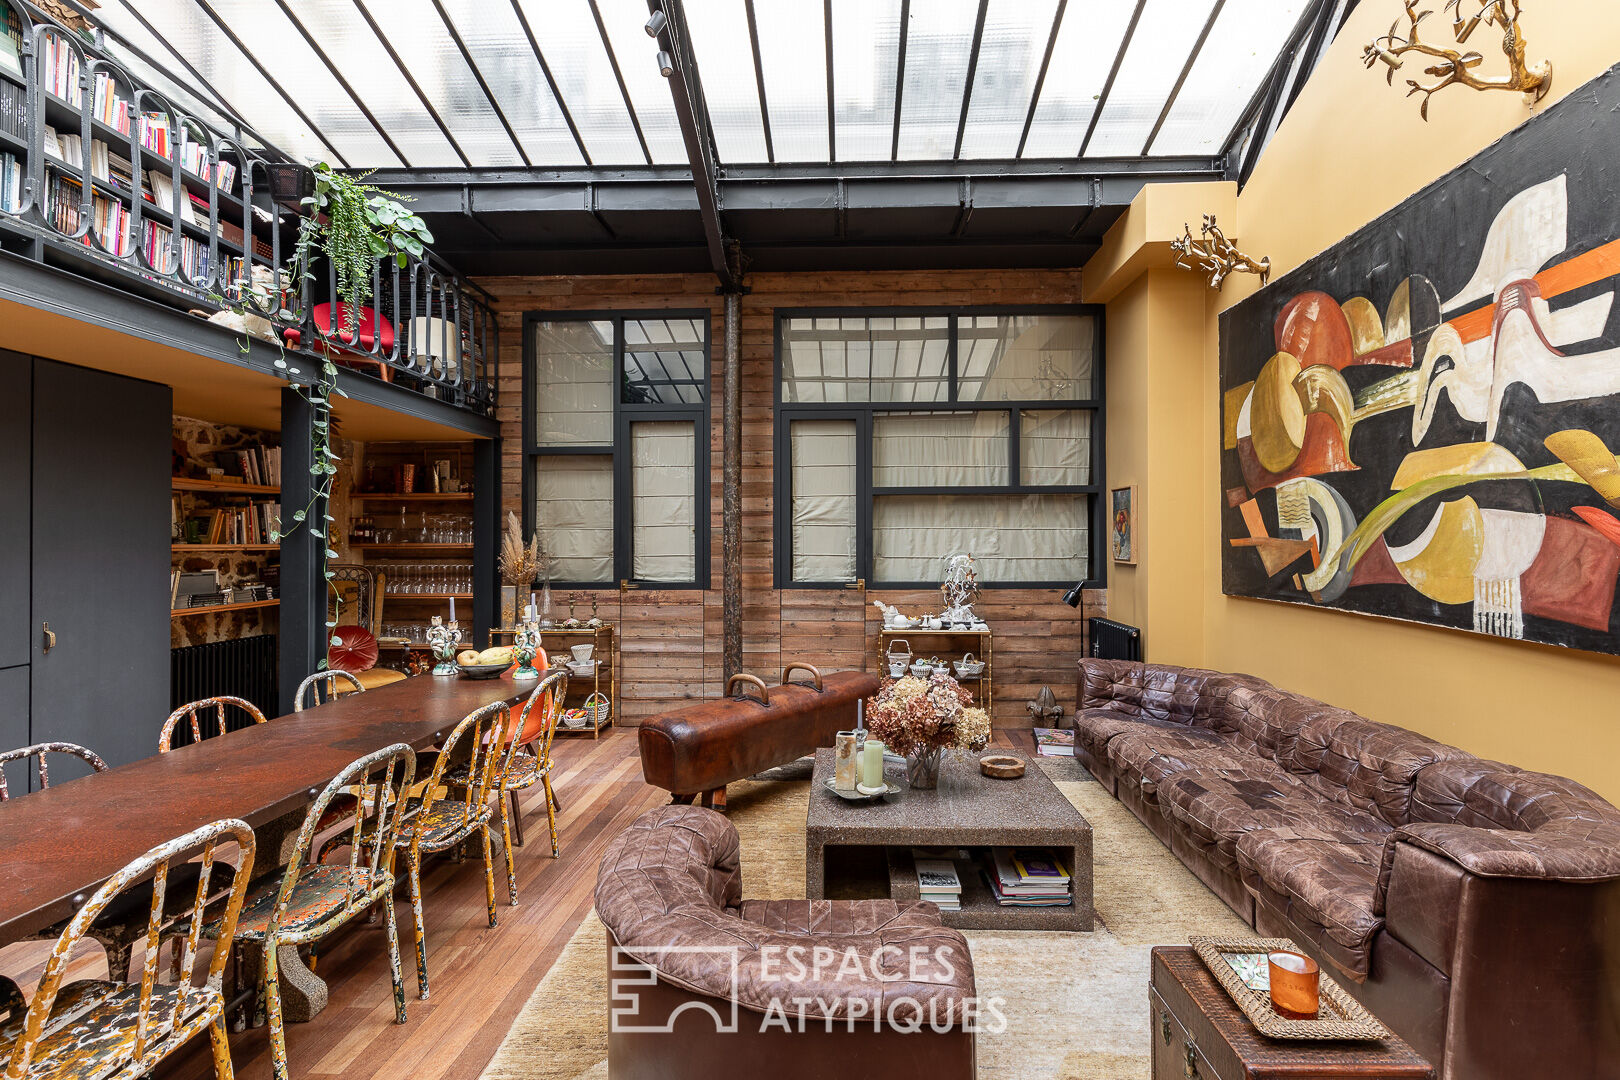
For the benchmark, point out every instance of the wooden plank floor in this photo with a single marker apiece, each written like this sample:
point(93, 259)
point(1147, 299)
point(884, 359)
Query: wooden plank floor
point(481, 977)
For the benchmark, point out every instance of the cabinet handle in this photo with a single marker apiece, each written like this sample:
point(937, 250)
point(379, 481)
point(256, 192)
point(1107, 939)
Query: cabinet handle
point(49, 637)
point(1191, 1069)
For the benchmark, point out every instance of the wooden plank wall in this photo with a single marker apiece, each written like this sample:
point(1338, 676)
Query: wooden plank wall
point(671, 639)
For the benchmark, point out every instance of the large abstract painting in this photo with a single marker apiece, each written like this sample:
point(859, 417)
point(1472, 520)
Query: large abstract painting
point(1421, 422)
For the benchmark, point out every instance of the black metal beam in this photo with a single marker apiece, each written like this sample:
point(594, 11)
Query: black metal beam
point(972, 71)
point(404, 69)
point(692, 110)
point(303, 588)
point(900, 77)
point(1113, 73)
point(360, 104)
point(556, 91)
point(759, 79)
point(1186, 70)
point(486, 537)
point(247, 54)
point(618, 77)
point(1040, 79)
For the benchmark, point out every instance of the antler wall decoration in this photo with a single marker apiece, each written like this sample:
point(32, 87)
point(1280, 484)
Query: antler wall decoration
point(1454, 67)
point(1216, 256)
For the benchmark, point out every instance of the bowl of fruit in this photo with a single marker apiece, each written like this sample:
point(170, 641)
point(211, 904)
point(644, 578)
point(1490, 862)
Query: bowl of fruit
point(488, 664)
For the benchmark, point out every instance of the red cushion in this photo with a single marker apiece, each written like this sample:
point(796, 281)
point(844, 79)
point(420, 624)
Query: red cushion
point(357, 651)
point(365, 331)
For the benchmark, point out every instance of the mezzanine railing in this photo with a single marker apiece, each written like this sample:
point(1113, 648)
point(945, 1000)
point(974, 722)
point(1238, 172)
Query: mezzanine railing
point(185, 212)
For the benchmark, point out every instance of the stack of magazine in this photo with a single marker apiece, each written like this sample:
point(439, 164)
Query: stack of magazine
point(938, 881)
point(1027, 877)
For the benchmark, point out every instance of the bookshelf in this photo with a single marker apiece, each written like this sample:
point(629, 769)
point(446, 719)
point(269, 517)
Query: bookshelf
point(224, 547)
point(228, 487)
point(215, 609)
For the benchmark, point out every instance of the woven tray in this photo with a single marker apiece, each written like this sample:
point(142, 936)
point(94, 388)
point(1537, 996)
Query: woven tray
point(1342, 1017)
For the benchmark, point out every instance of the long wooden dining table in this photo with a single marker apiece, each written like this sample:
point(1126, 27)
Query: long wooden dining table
point(58, 845)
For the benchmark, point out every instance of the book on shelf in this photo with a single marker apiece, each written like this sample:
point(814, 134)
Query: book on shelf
point(11, 183)
point(250, 524)
point(13, 104)
point(11, 41)
point(1054, 742)
point(250, 465)
point(938, 882)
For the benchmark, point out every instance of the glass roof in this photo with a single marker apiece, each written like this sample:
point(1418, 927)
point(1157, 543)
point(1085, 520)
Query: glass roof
point(565, 83)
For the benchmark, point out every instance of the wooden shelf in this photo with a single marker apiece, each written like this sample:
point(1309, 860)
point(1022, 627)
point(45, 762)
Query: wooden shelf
point(413, 548)
point(183, 484)
point(225, 547)
point(415, 496)
point(394, 598)
point(180, 613)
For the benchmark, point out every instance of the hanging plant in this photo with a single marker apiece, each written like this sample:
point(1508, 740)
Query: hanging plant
point(354, 224)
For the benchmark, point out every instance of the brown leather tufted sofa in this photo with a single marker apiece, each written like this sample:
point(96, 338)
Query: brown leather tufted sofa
point(669, 891)
point(1474, 907)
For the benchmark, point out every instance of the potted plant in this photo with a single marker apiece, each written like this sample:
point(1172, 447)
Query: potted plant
point(919, 718)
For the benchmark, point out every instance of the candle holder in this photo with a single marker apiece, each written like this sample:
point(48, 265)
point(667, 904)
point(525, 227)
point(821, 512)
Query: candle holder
point(443, 640)
point(525, 644)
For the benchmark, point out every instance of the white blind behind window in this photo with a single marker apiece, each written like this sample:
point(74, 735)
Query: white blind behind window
point(823, 509)
point(1015, 538)
point(1054, 448)
point(574, 515)
point(573, 384)
point(1025, 357)
point(939, 449)
point(663, 540)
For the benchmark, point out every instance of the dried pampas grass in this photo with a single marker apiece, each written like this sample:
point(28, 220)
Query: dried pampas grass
point(520, 563)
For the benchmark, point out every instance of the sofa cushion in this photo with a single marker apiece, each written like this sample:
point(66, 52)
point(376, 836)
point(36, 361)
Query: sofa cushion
point(1216, 808)
point(837, 916)
point(1188, 696)
point(1094, 729)
point(1353, 761)
point(1146, 758)
point(1262, 716)
point(1324, 881)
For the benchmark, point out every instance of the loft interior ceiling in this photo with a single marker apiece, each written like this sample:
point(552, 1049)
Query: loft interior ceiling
point(540, 137)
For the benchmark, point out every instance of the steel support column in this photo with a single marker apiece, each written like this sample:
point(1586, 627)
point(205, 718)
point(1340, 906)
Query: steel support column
point(486, 537)
point(303, 588)
point(731, 488)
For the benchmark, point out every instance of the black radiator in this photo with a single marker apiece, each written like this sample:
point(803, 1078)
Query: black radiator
point(242, 667)
point(1112, 640)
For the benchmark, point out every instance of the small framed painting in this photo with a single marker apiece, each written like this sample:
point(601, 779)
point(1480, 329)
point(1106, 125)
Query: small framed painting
point(1122, 524)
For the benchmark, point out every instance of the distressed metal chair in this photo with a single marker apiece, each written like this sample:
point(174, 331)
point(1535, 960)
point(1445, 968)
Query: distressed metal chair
point(530, 764)
point(433, 824)
point(123, 923)
point(321, 687)
point(191, 713)
point(95, 1028)
point(313, 899)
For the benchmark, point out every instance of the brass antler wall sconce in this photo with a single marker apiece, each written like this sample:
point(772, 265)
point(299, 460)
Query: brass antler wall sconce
point(1453, 67)
point(1216, 256)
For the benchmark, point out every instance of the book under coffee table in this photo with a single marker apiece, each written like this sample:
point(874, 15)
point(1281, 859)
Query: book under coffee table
point(863, 850)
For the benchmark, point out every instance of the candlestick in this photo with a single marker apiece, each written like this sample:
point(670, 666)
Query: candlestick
point(443, 640)
point(525, 645)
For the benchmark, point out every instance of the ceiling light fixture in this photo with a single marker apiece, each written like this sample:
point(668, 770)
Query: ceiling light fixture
point(656, 24)
point(666, 64)
point(1452, 66)
point(1216, 256)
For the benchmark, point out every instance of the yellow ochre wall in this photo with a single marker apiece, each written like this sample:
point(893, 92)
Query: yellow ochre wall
point(1351, 149)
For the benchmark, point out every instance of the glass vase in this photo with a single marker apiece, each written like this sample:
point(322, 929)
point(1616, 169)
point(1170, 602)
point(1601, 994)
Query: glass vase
point(922, 769)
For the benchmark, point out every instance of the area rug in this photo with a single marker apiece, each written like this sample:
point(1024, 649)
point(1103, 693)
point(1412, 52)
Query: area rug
point(1076, 1004)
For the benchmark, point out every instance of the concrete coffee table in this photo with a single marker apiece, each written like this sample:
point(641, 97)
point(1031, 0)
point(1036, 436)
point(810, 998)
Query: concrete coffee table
point(863, 850)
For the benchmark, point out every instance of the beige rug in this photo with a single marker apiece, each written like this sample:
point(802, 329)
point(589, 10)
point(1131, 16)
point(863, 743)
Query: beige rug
point(1076, 1003)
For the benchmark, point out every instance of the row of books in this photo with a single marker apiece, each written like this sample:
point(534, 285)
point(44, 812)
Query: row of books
point(11, 41)
point(937, 879)
point(251, 465)
point(11, 184)
point(13, 109)
point(250, 524)
point(1054, 742)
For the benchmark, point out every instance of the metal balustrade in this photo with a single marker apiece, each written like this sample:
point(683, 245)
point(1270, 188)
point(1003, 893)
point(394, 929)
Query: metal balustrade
point(424, 327)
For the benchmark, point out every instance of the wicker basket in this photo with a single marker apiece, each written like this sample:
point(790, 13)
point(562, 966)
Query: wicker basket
point(597, 708)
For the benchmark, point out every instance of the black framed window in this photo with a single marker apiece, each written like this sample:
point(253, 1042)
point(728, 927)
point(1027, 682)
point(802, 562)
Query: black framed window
point(904, 436)
point(616, 445)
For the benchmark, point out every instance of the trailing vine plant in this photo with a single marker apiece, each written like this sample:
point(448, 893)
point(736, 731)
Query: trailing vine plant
point(353, 224)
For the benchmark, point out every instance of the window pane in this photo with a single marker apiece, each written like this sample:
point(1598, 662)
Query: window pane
point(573, 515)
point(938, 45)
point(1158, 51)
point(1086, 46)
point(1015, 37)
point(1054, 448)
point(719, 30)
point(866, 59)
point(663, 539)
point(663, 362)
point(866, 359)
point(573, 383)
point(939, 449)
point(823, 495)
point(1025, 357)
point(1015, 538)
point(793, 57)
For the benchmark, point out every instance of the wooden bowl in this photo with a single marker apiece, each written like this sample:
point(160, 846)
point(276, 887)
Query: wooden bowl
point(1001, 766)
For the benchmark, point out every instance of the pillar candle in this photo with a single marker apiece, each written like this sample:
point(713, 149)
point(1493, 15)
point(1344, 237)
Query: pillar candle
point(452, 613)
point(872, 764)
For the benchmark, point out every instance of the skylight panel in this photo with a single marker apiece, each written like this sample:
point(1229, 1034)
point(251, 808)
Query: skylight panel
point(637, 55)
point(866, 57)
point(1086, 46)
point(793, 55)
point(725, 59)
point(579, 62)
point(1015, 37)
point(938, 44)
point(1153, 62)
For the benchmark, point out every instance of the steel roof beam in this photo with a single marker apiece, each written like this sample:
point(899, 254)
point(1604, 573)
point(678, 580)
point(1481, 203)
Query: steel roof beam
point(692, 110)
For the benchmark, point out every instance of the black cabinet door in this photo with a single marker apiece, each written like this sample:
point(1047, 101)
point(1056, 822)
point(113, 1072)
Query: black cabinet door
point(100, 560)
point(14, 725)
point(16, 433)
